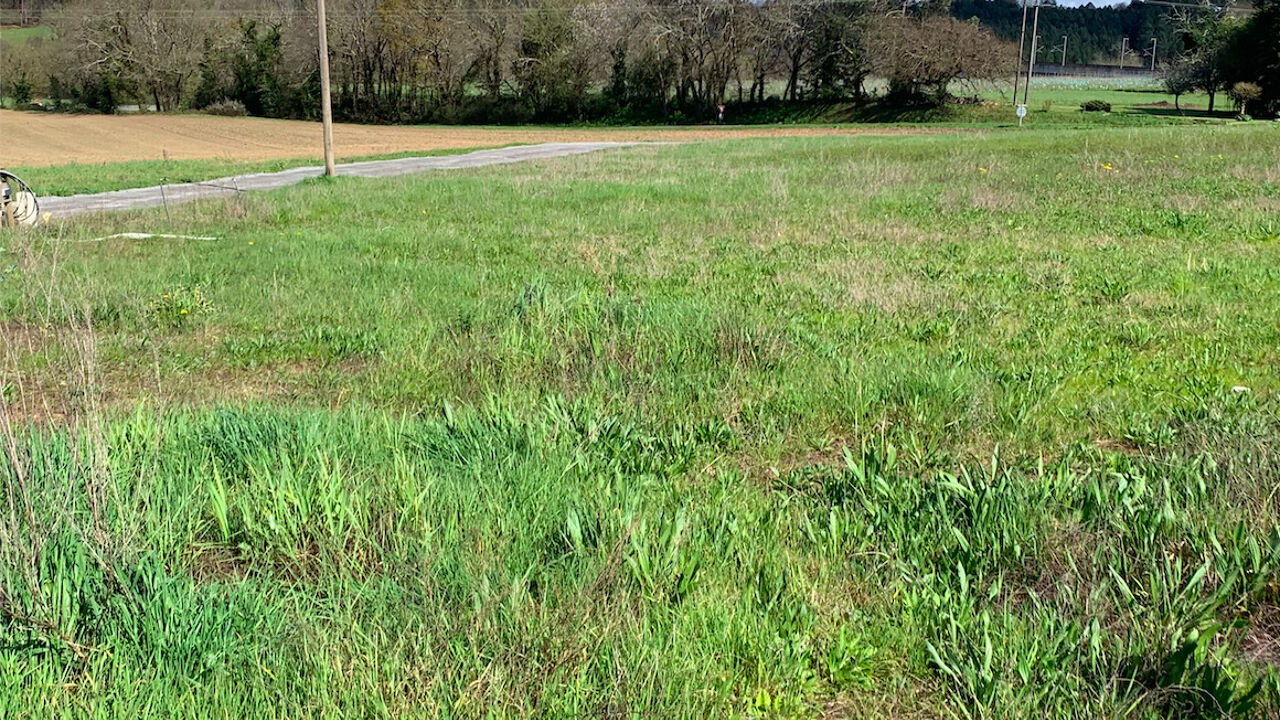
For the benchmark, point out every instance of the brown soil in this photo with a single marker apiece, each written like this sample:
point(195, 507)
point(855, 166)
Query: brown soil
point(37, 139)
point(1262, 641)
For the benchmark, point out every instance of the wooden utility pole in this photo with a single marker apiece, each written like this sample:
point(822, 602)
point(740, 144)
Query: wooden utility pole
point(1153, 54)
point(1031, 64)
point(1064, 52)
point(326, 105)
point(1124, 49)
point(1022, 35)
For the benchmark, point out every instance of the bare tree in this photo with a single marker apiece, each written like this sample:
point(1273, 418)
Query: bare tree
point(492, 28)
point(427, 43)
point(920, 55)
point(153, 46)
point(792, 23)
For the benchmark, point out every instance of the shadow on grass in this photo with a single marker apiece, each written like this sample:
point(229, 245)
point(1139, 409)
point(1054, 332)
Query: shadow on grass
point(1187, 112)
point(835, 111)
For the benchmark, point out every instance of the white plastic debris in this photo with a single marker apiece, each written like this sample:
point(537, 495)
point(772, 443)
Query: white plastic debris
point(144, 236)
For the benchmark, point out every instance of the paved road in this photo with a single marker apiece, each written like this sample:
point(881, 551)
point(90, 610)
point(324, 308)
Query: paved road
point(228, 186)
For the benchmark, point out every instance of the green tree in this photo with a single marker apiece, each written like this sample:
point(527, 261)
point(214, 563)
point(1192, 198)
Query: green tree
point(1254, 55)
point(1178, 79)
point(1210, 37)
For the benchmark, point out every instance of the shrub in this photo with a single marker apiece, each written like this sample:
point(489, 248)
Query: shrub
point(226, 108)
point(22, 91)
point(1244, 93)
point(1095, 106)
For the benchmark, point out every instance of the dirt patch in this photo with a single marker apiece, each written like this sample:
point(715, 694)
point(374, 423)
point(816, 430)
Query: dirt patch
point(1266, 174)
point(21, 337)
point(39, 140)
point(859, 281)
point(217, 564)
point(1261, 643)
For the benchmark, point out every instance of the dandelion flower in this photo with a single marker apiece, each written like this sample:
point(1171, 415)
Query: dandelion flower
point(982, 170)
point(250, 242)
point(183, 312)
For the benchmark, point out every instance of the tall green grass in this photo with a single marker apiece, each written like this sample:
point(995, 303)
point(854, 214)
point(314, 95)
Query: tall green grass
point(565, 561)
point(965, 426)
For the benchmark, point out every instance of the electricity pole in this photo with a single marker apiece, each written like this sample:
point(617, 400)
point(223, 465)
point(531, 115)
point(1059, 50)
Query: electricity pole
point(1031, 65)
point(1124, 48)
point(1022, 34)
point(326, 106)
point(1153, 54)
point(1064, 52)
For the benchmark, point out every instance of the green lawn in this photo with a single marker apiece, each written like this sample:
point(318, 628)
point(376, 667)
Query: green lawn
point(20, 35)
point(1128, 97)
point(977, 425)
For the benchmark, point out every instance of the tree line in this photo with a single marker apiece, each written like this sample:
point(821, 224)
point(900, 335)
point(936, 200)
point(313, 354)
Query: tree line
point(1093, 34)
point(1205, 45)
point(1229, 54)
point(510, 61)
point(503, 60)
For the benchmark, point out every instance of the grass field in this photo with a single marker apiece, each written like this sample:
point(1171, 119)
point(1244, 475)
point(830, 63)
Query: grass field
point(1051, 102)
point(19, 35)
point(64, 154)
point(975, 425)
point(1126, 95)
point(146, 144)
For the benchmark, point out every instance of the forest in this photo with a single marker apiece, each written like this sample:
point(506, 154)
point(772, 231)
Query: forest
point(1093, 34)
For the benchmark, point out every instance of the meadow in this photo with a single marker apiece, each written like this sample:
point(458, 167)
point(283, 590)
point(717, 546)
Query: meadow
point(61, 155)
point(976, 424)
